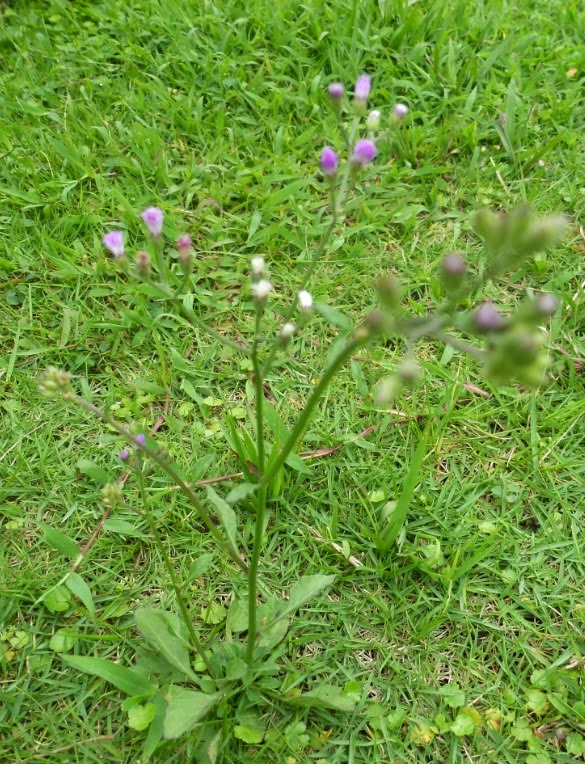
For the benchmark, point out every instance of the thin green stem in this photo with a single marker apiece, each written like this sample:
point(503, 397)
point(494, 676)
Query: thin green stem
point(260, 496)
point(170, 569)
point(171, 472)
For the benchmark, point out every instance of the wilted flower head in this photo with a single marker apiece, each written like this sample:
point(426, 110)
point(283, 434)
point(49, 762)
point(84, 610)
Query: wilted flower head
point(329, 162)
point(258, 265)
point(114, 241)
point(261, 289)
point(153, 217)
point(364, 151)
point(400, 110)
point(336, 91)
point(362, 87)
point(305, 300)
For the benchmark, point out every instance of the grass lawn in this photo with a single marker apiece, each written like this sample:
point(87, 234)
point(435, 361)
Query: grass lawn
point(465, 642)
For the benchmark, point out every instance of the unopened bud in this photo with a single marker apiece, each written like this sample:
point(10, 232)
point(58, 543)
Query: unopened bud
point(375, 321)
point(143, 263)
point(546, 304)
point(305, 301)
point(453, 270)
point(489, 226)
point(258, 265)
point(336, 95)
point(408, 372)
point(543, 233)
point(400, 110)
point(124, 455)
point(388, 288)
point(184, 251)
point(261, 290)
point(487, 318)
point(286, 333)
point(373, 121)
point(386, 391)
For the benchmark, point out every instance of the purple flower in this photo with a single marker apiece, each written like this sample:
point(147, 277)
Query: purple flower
point(336, 91)
point(184, 243)
point(363, 152)
point(329, 162)
point(140, 439)
point(362, 87)
point(487, 318)
point(124, 455)
point(153, 217)
point(114, 241)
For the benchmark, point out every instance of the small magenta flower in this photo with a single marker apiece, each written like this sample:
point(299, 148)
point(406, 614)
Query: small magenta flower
point(362, 87)
point(329, 162)
point(124, 455)
point(153, 217)
point(261, 290)
point(258, 266)
point(400, 110)
point(141, 439)
point(363, 152)
point(183, 244)
point(305, 301)
point(336, 91)
point(114, 241)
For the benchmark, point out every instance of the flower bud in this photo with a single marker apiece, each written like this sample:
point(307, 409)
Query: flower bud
point(388, 288)
point(329, 162)
point(286, 333)
point(400, 110)
point(546, 304)
point(124, 455)
point(140, 439)
point(490, 227)
point(386, 391)
point(336, 95)
point(143, 263)
point(408, 372)
point(487, 318)
point(373, 121)
point(453, 270)
point(361, 94)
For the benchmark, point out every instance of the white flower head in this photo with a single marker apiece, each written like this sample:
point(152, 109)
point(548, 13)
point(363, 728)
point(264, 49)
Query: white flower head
point(258, 266)
point(305, 300)
point(287, 331)
point(261, 289)
point(400, 110)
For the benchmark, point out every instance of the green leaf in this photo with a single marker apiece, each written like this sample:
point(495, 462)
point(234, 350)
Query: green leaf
point(325, 696)
point(241, 491)
point(466, 722)
point(334, 316)
point(140, 716)
point(164, 632)
point(294, 460)
point(62, 641)
point(93, 471)
point(79, 588)
point(200, 566)
point(123, 528)
point(398, 516)
point(214, 613)
point(57, 600)
point(453, 694)
point(537, 701)
point(59, 541)
point(305, 589)
point(184, 709)
point(124, 679)
point(575, 744)
point(155, 731)
point(237, 617)
point(251, 735)
point(226, 515)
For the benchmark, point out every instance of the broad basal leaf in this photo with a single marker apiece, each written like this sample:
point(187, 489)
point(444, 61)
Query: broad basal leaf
point(184, 709)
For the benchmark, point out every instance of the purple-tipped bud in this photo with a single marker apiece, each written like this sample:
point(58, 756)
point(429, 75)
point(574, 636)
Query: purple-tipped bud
point(141, 439)
point(153, 217)
point(487, 318)
point(546, 304)
point(400, 110)
point(363, 152)
point(114, 241)
point(362, 87)
point(329, 162)
point(183, 244)
point(336, 91)
point(124, 455)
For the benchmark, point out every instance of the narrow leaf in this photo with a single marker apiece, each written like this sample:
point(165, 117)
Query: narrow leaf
point(398, 516)
point(60, 542)
point(325, 696)
point(184, 709)
point(93, 471)
point(123, 678)
point(79, 588)
point(241, 491)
